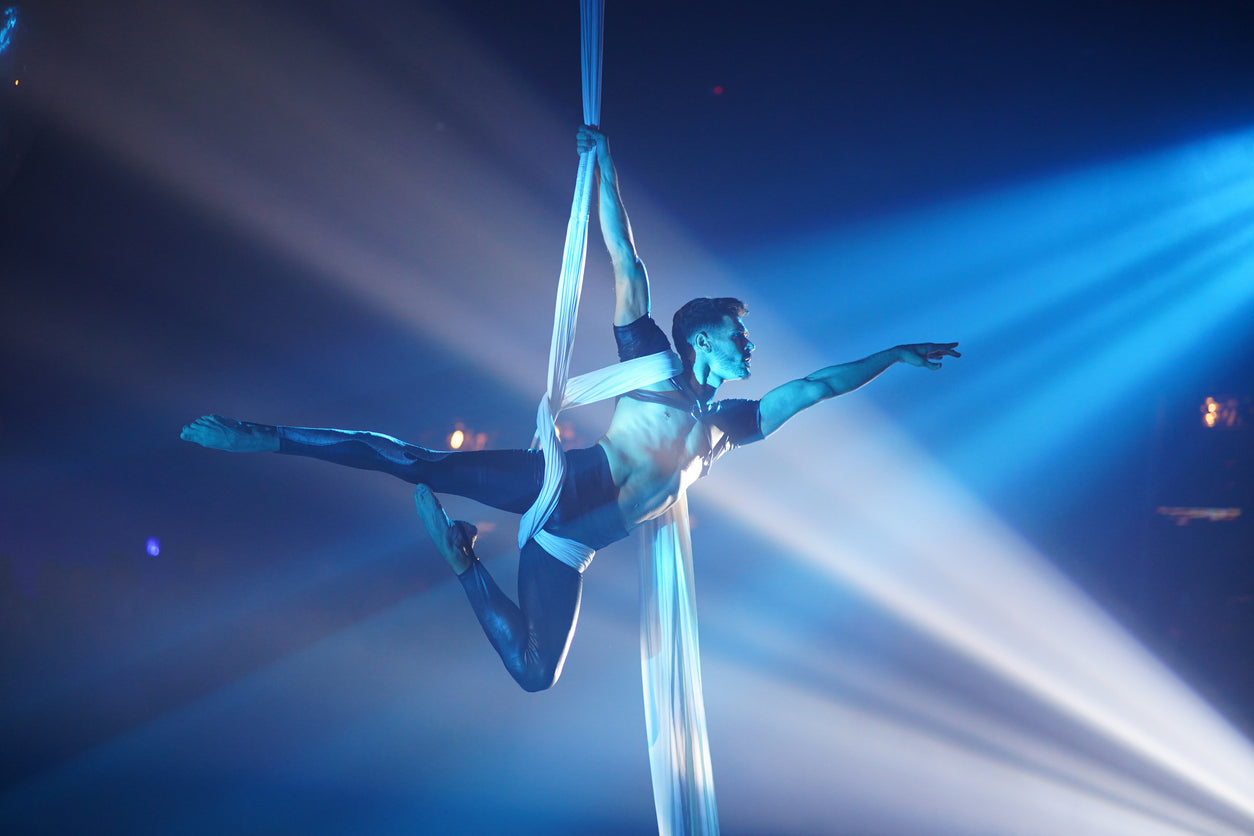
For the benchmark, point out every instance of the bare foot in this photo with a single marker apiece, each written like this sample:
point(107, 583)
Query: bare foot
point(218, 433)
point(455, 540)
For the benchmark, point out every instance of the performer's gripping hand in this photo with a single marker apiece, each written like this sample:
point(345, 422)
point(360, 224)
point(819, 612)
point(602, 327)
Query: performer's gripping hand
point(588, 138)
point(927, 355)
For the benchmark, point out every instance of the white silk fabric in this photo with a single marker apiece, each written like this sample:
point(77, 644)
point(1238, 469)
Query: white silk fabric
point(679, 757)
point(569, 282)
point(670, 664)
point(609, 382)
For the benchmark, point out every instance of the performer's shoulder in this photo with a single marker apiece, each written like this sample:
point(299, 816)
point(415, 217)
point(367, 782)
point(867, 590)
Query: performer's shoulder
point(739, 418)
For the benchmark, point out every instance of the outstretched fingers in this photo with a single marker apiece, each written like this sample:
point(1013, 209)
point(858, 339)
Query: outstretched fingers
point(937, 351)
point(928, 355)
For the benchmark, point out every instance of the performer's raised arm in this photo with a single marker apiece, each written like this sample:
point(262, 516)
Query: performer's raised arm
point(783, 402)
point(631, 283)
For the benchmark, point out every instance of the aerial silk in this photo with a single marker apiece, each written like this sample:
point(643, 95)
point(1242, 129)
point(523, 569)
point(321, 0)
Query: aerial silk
point(670, 661)
point(679, 756)
point(609, 382)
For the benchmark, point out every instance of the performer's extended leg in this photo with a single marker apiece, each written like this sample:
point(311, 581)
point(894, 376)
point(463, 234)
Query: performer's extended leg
point(505, 479)
point(531, 637)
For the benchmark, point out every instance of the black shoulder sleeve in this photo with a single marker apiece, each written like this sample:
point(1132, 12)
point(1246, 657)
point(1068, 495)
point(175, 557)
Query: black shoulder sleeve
point(739, 419)
point(640, 339)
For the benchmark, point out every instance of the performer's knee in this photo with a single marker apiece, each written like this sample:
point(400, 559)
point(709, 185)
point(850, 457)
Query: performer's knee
point(539, 675)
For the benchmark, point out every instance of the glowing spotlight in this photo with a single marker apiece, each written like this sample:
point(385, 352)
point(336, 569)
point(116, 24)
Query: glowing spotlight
point(1221, 412)
point(456, 440)
point(154, 546)
point(718, 89)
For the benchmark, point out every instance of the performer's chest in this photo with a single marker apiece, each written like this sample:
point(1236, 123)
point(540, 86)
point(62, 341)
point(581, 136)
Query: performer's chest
point(687, 440)
point(662, 438)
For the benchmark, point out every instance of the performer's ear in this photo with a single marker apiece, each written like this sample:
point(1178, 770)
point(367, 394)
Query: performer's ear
point(701, 341)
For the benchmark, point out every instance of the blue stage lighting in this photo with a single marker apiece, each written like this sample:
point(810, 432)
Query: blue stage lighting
point(10, 25)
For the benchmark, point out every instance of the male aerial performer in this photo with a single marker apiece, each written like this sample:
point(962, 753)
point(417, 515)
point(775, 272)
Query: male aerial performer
point(660, 440)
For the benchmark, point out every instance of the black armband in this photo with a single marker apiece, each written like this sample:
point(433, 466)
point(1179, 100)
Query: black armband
point(640, 339)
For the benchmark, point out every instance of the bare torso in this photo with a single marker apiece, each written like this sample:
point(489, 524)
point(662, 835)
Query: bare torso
point(655, 452)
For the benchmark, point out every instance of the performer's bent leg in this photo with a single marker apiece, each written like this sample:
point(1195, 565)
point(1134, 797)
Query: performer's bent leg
point(531, 637)
point(505, 479)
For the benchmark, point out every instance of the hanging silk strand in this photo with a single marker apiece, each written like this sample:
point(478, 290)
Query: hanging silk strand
point(592, 25)
point(670, 663)
point(565, 314)
point(569, 282)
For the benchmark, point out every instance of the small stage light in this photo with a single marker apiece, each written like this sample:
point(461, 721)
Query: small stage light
point(1183, 516)
point(1221, 412)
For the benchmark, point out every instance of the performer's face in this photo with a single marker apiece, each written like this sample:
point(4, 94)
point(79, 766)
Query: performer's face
point(730, 349)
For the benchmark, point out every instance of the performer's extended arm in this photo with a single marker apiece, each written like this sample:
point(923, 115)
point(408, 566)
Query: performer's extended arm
point(631, 283)
point(783, 402)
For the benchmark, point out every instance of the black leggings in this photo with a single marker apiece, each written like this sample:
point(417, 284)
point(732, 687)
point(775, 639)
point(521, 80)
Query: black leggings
point(532, 636)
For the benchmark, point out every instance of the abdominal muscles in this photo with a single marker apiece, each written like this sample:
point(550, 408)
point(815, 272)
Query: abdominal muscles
point(655, 454)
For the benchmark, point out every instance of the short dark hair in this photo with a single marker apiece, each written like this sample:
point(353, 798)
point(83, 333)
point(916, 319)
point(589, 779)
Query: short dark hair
point(700, 314)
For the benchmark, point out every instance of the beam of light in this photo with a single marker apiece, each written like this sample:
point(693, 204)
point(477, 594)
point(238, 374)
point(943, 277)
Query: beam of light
point(994, 261)
point(1072, 293)
point(961, 578)
point(1087, 287)
point(395, 218)
point(955, 573)
point(963, 773)
point(8, 29)
point(1121, 350)
point(864, 713)
point(385, 186)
